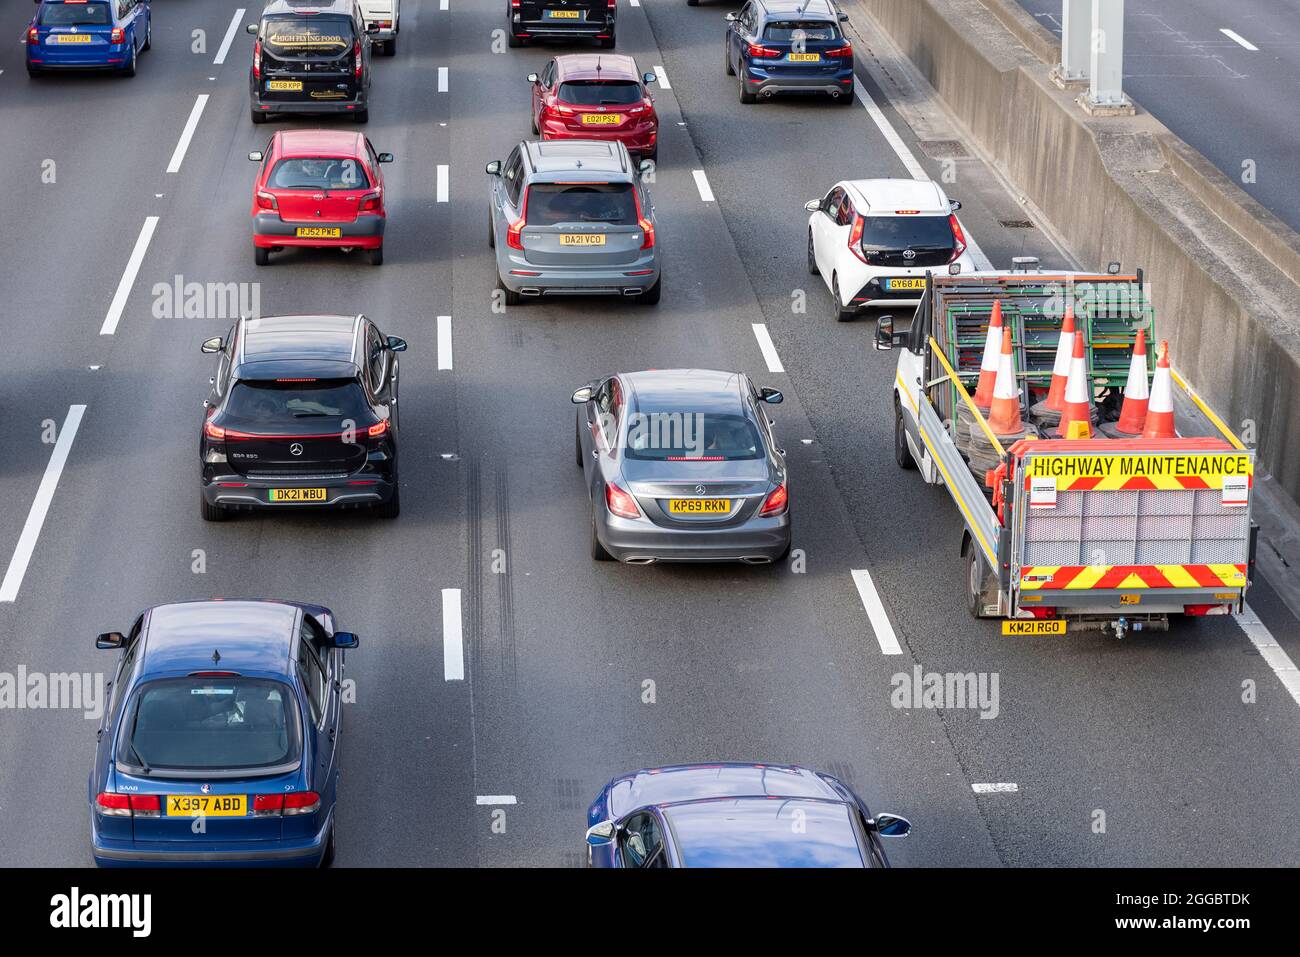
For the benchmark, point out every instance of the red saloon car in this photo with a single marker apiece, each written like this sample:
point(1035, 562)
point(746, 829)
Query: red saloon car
point(319, 188)
point(596, 96)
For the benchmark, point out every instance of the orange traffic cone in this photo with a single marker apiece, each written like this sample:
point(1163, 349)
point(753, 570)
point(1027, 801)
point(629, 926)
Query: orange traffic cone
point(1061, 368)
point(1004, 415)
point(1076, 417)
point(1136, 393)
point(989, 365)
point(1160, 410)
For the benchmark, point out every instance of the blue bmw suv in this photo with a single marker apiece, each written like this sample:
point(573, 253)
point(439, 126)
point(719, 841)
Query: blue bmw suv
point(790, 46)
point(220, 742)
point(88, 35)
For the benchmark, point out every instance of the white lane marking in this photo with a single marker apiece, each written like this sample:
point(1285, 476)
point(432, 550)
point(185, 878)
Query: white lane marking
point(635, 3)
point(768, 348)
point(442, 4)
point(999, 788)
point(187, 134)
point(495, 799)
point(40, 506)
point(702, 184)
point(442, 79)
point(128, 277)
point(444, 342)
point(876, 612)
point(230, 37)
point(1271, 651)
point(453, 645)
point(443, 187)
point(890, 134)
point(1237, 37)
point(663, 78)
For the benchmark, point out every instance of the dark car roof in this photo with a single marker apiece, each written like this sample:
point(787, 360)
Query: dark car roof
point(321, 346)
point(596, 66)
point(693, 782)
point(249, 635)
point(276, 7)
point(695, 390)
point(764, 832)
point(802, 9)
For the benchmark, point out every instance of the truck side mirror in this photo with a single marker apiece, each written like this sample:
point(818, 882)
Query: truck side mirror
point(884, 340)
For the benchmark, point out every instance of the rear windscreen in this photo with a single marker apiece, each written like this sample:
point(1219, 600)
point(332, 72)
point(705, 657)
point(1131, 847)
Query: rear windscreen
point(550, 204)
point(600, 92)
point(76, 15)
point(319, 174)
point(218, 723)
point(692, 436)
point(792, 31)
point(883, 233)
point(255, 405)
point(307, 37)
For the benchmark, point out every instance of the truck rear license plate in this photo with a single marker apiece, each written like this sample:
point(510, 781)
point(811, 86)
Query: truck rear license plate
point(1034, 626)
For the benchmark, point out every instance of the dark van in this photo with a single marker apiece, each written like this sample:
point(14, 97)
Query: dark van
point(310, 58)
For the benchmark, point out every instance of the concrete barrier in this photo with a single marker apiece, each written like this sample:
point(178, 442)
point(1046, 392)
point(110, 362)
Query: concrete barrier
point(1224, 273)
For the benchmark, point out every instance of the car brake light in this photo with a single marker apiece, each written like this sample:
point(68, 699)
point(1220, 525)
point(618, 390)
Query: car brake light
point(113, 805)
point(855, 237)
point(214, 431)
point(620, 502)
point(959, 239)
point(839, 52)
point(34, 36)
point(777, 501)
point(301, 802)
point(356, 52)
point(758, 50)
point(378, 429)
point(370, 202)
point(267, 804)
point(117, 36)
point(266, 200)
point(647, 227)
point(257, 59)
point(146, 805)
point(514, 235)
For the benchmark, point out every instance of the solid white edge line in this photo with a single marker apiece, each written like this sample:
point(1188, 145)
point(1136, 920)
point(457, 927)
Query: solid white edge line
point(876, 612)
point(1238, 38)
point(128, 277)
point(635, 3)
point(1272, 653)
point(183, 144)
point(1005, 787)
point(891, 135)
point(663, 78)
point(495, 799)
point(702, 184)
point(768, 348)
point(442, 79)
point(453, 644)
point(229, 38)
point(442, 4)
point(444, 342)
point(444, 187)
point(31, 532)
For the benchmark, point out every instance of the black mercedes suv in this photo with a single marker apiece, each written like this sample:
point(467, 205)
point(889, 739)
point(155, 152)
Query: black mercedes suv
point(311, 58)
point(561, 19)
point(302, 412)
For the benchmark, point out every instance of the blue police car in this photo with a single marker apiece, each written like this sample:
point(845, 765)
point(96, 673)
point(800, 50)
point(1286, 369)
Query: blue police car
point(220, 742)
point(88, 35)
point(735, 815)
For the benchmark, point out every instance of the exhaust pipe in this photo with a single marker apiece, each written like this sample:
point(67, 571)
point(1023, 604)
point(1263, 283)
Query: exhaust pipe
point(639, 561)
point(756, 560)
point(835, 94)
point(631, 292)
point(530, 291)
point(767, 94)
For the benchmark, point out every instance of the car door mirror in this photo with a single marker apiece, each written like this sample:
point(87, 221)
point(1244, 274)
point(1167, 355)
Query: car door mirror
point(884, 340)
point(891, 825)
point(602, 833)
point(582, 395)
point(344, 639)
point(493, 168)
point(730, 18)
point(256, 156)
point(649, 78)
point(533, 78)
point(110, 639)
point(251, 28)
point(954, 205)
point(813, 205)
point(396, 344)
point(215, 344)
point(646, 168)
point(771, 396)
point(844, 17)
point(385, 157)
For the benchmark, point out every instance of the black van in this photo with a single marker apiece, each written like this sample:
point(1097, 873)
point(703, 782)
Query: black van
point(310, 58)
point(551, 19)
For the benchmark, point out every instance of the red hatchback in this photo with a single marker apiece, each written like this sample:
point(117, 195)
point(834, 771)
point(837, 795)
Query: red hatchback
point(319, 188)
point(596, 96)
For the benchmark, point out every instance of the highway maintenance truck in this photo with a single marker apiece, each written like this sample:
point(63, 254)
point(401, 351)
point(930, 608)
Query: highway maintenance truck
point(1083, 507)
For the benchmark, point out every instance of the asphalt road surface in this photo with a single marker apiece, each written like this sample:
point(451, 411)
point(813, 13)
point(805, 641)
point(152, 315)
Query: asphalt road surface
point(1224, 77)
point(769, 664)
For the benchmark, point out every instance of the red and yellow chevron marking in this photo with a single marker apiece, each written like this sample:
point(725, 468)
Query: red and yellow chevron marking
point(1072, 577)
point(1112, 483)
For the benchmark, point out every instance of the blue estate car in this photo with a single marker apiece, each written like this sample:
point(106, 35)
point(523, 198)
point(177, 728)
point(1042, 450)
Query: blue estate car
point(735, 815)
point(789, 46)
point(88, 35)
point(220, 742)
